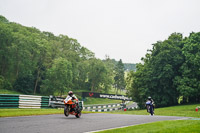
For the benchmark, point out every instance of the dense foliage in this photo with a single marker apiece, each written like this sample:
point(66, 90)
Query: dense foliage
point(130, 66)
point(119, 76)
point(170, 71)
point(33, 62)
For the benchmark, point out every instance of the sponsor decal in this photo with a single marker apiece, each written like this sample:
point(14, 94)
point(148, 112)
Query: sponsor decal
point(109, 96)
point(120, 97)
point(91, 94)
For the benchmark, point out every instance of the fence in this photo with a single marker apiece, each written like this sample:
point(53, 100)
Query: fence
point(108, 107)
point(31, 101)
point(56, 102)
point(23, 101)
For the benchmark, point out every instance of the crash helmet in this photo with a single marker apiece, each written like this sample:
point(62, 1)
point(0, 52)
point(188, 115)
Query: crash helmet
point(70, 93)
point(149, 98)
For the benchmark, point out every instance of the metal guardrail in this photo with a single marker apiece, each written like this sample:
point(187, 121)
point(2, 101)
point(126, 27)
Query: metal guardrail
point(102, 108)
point(56, 102)
point(110, 107)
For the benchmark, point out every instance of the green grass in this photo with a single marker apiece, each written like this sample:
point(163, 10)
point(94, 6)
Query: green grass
point(25, 112)
point(28, 112)
point(180, 110)
point(174, 126)
point(90, 101)
point(3, 91)
point(191, 126)
point(113, 91)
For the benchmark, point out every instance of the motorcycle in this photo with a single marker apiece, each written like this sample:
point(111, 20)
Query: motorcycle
point(150, 108)
point(73, 107)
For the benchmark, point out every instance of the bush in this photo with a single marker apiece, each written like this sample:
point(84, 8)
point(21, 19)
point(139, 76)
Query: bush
point(24, 84)
point(5, 84)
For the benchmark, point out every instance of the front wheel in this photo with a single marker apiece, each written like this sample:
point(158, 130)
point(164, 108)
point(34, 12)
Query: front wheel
point(66, 111)
point(151, 110)
point(78, 115)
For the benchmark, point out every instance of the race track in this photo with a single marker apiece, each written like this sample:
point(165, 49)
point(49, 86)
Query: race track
point(61, 124)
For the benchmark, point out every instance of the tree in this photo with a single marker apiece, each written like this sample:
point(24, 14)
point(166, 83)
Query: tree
point(165, 63)
point(42, 56)
point(58, 77)
point(3, 19)
point(24, 84)
point(188, 83)
point(156, 75)
point(26, 51)
point(5, 44)
point(5, 84)
point(119, 76)
point(98, 77)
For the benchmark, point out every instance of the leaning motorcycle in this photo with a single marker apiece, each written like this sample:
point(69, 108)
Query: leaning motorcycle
point(149, 107)
point(73, 107)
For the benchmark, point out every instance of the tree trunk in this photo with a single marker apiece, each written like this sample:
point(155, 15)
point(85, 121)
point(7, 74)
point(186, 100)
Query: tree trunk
point(17, 71)
point(92, 89)
point(37, 79)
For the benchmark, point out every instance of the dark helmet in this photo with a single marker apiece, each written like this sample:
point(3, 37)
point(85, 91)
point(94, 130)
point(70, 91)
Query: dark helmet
point(70, 93)
point(149, 98)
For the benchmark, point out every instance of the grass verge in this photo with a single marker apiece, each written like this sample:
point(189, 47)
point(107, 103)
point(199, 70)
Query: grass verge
point(180, 110)
point(28, 112)
point(3, 91)
point(174, 126)
point(90, 101)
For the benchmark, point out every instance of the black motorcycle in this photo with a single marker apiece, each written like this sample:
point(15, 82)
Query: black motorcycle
point(150, 108)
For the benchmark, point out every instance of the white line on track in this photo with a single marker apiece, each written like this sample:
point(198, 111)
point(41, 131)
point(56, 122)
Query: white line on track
point(127, 126)
point(113, 128)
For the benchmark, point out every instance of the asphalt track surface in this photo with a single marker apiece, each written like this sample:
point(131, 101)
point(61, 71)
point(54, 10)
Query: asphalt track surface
point(88, 122)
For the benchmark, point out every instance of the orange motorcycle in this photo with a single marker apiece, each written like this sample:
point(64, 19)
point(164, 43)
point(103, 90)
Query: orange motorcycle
point(73, 107)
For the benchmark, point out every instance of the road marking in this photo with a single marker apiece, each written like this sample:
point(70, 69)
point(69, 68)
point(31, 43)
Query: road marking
point(194, 119)
point(128, 126)
point(113, 128)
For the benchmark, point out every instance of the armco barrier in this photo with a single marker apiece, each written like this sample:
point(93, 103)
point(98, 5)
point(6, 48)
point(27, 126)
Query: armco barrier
point(23, 101)
point(102, 108)
point(56, 102)
point(110, 107)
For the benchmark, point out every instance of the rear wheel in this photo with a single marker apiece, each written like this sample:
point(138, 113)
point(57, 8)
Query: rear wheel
point(148, 108)
point(66, 111)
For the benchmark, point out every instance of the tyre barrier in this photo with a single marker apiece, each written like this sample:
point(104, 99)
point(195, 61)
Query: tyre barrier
point(30, 101)
point(23, 101)
point(9, 101)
